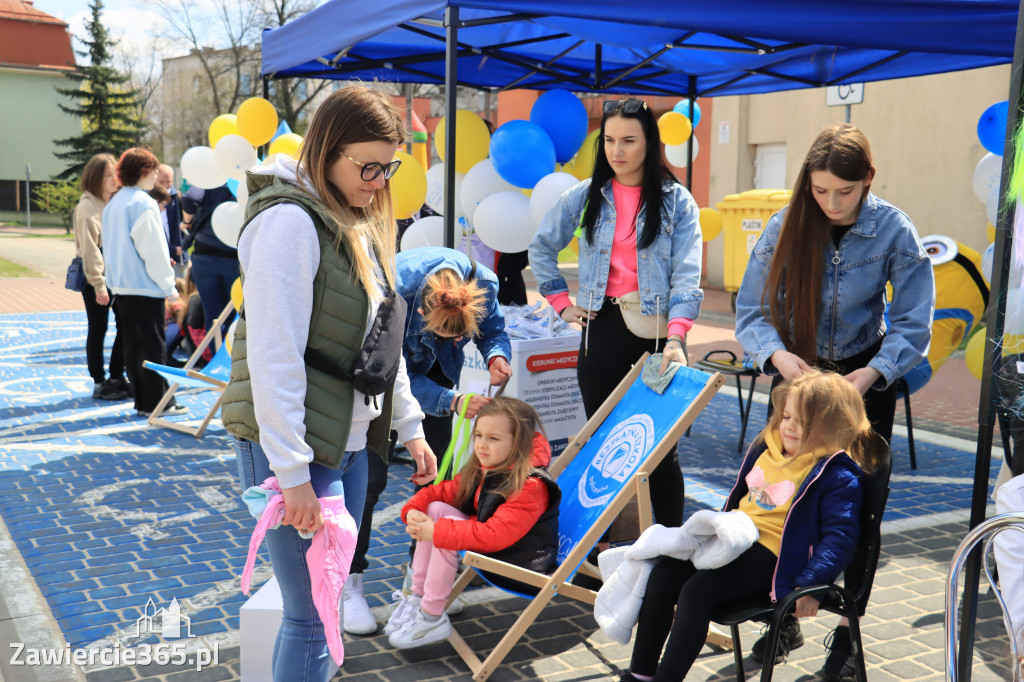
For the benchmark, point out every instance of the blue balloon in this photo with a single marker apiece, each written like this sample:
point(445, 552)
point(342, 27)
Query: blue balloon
point(564, 118)
point(522, 153)
point(282, 129)
point(992, 127)
point(683, 107)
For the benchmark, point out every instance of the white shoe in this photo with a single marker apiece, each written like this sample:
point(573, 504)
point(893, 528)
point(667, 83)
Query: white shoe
point(456, 607)
point(419, 631)
point(407, 606)
point(359, 619)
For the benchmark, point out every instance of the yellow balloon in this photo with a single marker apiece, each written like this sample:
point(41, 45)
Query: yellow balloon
point(675, 128)
point(990, 232)
point(472, 140)
point(974, 354)
point(288, 144)
point(225, 124)
point(583, 166)
point(257, 120)
point(710, 223)
point(408, 186)
point(236, 294)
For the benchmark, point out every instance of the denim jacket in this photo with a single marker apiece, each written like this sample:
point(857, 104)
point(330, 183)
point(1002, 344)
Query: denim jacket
point(668, 272)
point(421, 348)
point(881, 247)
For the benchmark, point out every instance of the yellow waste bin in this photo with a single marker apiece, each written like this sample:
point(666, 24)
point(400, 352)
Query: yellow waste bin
point(743, 218)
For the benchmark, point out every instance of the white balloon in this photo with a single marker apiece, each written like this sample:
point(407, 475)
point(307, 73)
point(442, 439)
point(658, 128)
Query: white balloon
point(227, 222)
point(676, 153)
point(435, 190)
point(992, 205)
point(986, 263)
point(546, 193)
point(986, 176)
point(427, 231)
point(229, 336)
point(1014, 323)
point(480, 181)
point(199, 166)
point(235, 155)
point(242, 195)
point(503, 222)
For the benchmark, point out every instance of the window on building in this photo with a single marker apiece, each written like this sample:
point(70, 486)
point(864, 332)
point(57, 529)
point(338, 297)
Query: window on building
point(245, 84)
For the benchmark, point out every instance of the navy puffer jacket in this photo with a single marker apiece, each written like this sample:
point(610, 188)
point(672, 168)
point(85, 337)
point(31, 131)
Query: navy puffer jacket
point(821, 529)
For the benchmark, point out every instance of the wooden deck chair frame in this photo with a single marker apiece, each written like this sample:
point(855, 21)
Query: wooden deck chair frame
point(212, 336)
point(558, 582)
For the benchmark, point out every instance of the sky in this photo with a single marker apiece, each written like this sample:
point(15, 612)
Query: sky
point(127, 20)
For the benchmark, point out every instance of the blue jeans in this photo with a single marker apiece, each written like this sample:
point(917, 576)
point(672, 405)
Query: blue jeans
point(214, 276)
point(300, 653)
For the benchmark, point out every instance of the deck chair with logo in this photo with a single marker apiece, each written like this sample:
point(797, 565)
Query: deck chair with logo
point(213, 376)
point(605, 467)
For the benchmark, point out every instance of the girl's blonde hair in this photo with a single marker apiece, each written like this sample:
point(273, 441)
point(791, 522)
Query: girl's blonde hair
point(524, 422)
point(351, 115)
point(452, 306)
point(831, 412)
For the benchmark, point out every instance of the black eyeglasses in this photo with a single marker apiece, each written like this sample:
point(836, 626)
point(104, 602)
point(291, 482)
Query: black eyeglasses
point(370, 171)
point(629, 106)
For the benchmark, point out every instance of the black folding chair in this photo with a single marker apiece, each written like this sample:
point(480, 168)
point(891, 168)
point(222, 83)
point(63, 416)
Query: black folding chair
point(857, 579)
point(732, 367)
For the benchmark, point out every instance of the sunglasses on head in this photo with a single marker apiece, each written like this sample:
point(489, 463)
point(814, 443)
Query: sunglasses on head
point(628, 106)
point(370, 171)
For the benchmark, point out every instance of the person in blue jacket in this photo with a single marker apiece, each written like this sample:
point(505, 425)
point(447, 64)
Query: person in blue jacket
point(800, 483)
point(814, 294)
point(450, 300)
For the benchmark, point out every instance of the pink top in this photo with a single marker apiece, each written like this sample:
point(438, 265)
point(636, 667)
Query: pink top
point(622, 277)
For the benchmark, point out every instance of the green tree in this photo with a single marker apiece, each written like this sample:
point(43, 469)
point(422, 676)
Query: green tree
point(59, 199)
point(106, 104)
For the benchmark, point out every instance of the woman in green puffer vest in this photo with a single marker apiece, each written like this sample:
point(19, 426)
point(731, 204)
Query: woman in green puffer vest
point(317, 253)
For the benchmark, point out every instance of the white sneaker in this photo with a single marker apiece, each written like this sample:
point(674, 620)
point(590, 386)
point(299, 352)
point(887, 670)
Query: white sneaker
point(456, 607)
point(419, 631)
point(359, 619)
point(407, 606)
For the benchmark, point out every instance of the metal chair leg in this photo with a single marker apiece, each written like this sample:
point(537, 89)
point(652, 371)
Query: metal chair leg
point(737, 653)
point(745, 413)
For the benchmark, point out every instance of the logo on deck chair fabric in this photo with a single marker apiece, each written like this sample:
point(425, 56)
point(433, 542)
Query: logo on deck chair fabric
point(616, 461)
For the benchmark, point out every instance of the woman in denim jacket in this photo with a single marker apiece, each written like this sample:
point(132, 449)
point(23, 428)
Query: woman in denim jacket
point(638, 232)
point(813, 294)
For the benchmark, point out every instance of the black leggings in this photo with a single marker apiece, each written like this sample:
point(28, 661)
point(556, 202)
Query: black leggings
point(143, 318)
point(98, 316)
point(678, 605)
point(613, 350)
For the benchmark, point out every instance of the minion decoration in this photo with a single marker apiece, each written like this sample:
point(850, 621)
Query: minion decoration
point(961, 297)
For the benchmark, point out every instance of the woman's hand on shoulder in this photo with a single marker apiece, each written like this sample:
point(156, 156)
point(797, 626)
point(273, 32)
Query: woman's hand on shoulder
point(790, 365)
point(574, 313)
point(302, 508)
point(425, 459)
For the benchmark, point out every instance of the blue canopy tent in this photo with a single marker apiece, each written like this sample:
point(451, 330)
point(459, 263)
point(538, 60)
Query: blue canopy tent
point(682, 48)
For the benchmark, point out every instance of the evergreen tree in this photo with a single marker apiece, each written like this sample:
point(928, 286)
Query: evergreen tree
point(105, 103)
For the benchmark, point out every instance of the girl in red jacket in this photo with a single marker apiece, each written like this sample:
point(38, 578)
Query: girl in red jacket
point(503, 503)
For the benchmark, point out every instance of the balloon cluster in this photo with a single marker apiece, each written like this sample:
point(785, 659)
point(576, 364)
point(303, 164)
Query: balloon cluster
point(506, 182)
point(991, 134)
point(233, 140)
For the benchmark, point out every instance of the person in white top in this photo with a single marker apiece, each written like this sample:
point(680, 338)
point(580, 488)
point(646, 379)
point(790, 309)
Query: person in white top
point(347, 159)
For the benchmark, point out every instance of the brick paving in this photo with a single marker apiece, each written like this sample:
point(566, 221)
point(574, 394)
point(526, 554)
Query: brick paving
point(101, 512)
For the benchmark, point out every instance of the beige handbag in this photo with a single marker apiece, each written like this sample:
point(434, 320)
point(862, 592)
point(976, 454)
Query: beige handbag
point(644, 326)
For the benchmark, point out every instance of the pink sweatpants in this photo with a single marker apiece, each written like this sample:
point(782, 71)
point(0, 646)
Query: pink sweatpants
point(433, 569)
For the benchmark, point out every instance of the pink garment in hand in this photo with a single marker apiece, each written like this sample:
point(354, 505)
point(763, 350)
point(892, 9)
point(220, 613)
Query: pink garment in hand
point(328, 558)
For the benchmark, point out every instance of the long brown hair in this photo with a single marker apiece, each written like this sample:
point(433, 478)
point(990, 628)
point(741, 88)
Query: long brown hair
point(95, 170)
point(351, 115)
point(791, 298)
point(452, 306)
point(524, 422)
point(831, 411)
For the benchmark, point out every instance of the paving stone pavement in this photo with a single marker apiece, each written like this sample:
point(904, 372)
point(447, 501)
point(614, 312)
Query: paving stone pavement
point(102, 513)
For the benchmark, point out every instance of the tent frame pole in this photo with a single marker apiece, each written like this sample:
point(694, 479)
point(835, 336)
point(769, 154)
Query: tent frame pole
point(995, 322)
point(451, 104)
point(691, 96)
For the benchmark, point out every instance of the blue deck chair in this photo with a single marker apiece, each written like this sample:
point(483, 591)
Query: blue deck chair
point(602, 470)
point(214, 376)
